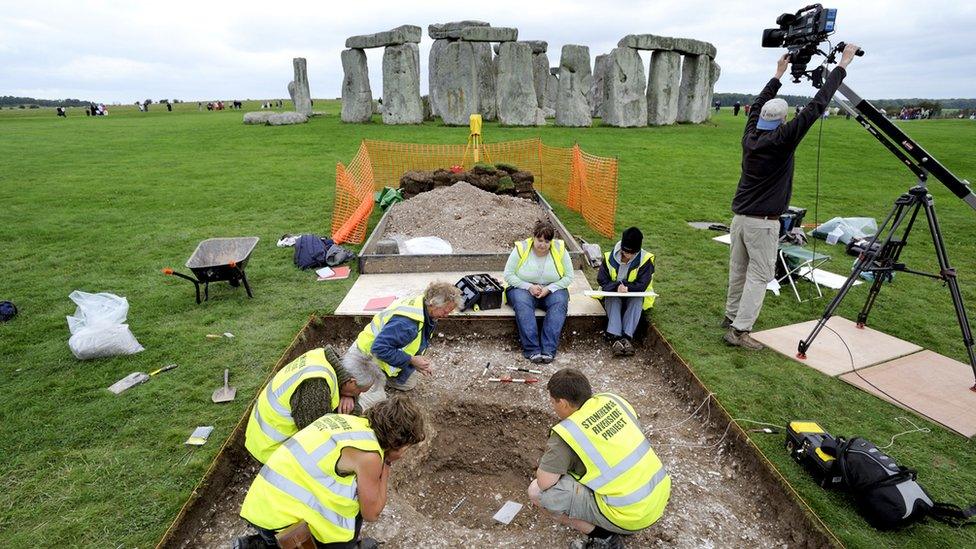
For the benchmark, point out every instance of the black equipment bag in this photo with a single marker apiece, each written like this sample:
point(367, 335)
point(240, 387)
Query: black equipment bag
point(887, 494)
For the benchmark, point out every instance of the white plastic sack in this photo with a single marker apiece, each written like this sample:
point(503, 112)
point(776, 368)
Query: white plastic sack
point(426, 245)
point(852, 227)
point(98, 326)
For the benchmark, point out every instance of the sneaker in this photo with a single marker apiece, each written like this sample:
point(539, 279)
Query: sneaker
point(547, 359)
point(617, 349)
point(628, 347)
point(615, 541)
point(726, 322)
point(742, 339)
point(537, 358)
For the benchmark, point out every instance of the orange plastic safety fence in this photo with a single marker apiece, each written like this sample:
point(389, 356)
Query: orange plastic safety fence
point(584, 183)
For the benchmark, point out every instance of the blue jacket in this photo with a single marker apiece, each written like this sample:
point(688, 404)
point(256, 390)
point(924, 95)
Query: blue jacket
point(397, 334)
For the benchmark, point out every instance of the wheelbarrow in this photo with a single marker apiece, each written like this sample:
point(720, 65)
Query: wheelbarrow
point(219, 260)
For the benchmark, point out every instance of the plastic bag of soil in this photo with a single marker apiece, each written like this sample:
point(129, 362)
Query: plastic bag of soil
point(98, 326)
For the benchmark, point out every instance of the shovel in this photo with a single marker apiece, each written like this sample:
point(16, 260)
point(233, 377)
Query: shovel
point(225, 393)
point(136, 378)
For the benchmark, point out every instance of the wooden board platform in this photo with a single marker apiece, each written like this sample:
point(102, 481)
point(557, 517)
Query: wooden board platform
point(828, 353)
point(926, 383)
point(368, 286)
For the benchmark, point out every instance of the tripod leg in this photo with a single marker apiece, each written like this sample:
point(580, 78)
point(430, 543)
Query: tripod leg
point(949, 275)
point(862, 317)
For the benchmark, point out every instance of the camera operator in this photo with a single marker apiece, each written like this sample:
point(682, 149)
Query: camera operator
point(764, 193)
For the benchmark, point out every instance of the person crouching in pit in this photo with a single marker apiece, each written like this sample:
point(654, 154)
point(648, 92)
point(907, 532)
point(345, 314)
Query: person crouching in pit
point(599, 474)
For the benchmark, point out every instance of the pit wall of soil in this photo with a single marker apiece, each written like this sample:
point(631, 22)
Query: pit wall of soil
point(809, 531)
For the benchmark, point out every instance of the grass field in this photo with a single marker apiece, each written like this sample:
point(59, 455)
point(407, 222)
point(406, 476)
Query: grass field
point(102, 204)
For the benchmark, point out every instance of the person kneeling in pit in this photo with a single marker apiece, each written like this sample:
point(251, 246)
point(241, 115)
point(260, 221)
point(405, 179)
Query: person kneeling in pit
point(389, 348)
point(599, 474)
point(628, 268)
point(332, 475)
point(309, 387)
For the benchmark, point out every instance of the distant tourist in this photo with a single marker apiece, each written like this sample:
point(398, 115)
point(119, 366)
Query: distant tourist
point(735, 108)
point(718, 105)
point(169, 107)
point(62, 113)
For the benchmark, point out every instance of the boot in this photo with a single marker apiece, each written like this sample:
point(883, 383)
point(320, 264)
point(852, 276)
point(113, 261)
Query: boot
point(726, 322)
point(617, 348)
point(742, 339)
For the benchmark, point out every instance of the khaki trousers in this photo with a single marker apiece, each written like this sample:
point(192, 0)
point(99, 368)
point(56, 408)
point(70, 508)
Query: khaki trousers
point(752, 264)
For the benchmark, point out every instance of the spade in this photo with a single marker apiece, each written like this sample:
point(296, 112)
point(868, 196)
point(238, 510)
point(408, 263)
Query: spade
point(225, 393)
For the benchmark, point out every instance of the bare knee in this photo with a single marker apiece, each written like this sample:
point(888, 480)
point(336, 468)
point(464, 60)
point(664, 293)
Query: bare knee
point(534, 492)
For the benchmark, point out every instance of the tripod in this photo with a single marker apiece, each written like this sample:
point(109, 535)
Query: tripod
point(881, 254)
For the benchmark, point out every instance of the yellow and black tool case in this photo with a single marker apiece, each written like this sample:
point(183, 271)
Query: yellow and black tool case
point(814, 448)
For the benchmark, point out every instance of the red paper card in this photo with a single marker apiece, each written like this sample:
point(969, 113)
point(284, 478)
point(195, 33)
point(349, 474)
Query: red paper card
point(379, 303)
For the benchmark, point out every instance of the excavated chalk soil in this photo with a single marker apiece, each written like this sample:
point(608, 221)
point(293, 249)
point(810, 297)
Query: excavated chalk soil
point(485, 441)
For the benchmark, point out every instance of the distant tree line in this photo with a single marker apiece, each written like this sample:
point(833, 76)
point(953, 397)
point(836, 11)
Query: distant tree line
point(11, 101)
point(935, 105)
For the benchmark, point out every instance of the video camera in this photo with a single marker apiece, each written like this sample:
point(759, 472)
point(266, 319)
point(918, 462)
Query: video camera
point(801, 33)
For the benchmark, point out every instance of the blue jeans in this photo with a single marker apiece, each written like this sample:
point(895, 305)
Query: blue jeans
point(555, 305)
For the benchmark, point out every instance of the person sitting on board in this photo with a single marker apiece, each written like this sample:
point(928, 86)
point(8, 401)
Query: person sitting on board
point(331, 476)
point(537, 276)
point(389, 349)
point(309, 387)
point(599, 474)
point(627, 269)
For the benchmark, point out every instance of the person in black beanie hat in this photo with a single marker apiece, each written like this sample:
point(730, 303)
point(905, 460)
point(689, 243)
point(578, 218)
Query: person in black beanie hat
point(628, 268)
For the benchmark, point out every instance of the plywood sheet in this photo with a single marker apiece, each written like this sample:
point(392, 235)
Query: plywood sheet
point(369, 286)
point(926, 383)
point(828, 353)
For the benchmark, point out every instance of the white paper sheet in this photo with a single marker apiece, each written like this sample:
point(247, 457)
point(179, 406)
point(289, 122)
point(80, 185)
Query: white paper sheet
point(507, 512)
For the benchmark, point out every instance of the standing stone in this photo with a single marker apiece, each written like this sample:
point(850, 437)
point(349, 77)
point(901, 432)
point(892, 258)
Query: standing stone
point(715, 73)
point(455, 77)
point(626, 104)
point(298, 88)
point(486, 80)
point(552, 89)
point(357, 98)
point(516, 99)
point(575, 81)
point(401, 85)
point(405, 34)
point(437, 50)
point(598, 91)
point(696, 75)
point(663, 82)
point(540, 74)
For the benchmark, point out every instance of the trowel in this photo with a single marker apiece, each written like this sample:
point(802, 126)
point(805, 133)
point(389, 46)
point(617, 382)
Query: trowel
point(136, 378)
point(225, 393)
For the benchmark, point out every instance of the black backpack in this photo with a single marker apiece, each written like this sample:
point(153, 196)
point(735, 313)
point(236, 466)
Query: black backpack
point(888, 495)
point(311, 251)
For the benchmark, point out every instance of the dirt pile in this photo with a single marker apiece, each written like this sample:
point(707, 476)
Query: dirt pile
point(498, 179)
point(471, 219)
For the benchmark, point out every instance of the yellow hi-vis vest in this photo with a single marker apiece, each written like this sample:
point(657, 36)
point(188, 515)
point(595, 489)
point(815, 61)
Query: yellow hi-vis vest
point(629, 482)
point(645, 256)
point(557, 250)
point(300, 481)
point(271, 422)
point(410, 307)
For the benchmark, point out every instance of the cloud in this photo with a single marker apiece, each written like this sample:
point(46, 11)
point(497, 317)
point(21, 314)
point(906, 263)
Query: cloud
point(110, 50)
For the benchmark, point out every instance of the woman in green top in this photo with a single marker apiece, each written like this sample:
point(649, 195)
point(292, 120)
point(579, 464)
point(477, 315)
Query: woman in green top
point(538, 275)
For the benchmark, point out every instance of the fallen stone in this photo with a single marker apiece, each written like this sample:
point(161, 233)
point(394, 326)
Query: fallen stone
point(540, 74)
point(626, 104)
point(489, 34)
point(696, 76)
point(455, 77)
point(257, 117)
point(298, 88)
point(575, 81)
point(486, 81)
point(401, 85)
point(689, 46)
point(516, 99)
point(452, 30)
point(404, 34)
point(552, 89)
point(598, 91)
point(287, 118)
point(663, 82)
point(647, 42)
point(357, 98)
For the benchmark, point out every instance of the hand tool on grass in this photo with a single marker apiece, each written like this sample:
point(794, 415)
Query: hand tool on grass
point(225, 393)
point(529, 370)
point(136, 378)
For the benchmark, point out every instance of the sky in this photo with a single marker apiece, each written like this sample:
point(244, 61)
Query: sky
point(121, 52)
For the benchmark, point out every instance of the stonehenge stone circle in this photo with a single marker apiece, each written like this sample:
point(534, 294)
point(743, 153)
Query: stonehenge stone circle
point(257, 117)
point(575, 81)
point(455, 77)
point(716, 72)
point(489, 34)
point(540, 75)
point(552, 88)
point(298, 88)
point(516, 99)
point(452, 30)
point(626, 104)
point(357, 98)
point(437, 50)
point(287, 118)
point(598, 91)
point(486, 81)
point(401, 85)
point(663, 81)
point(405, 34)
point(693, 94)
